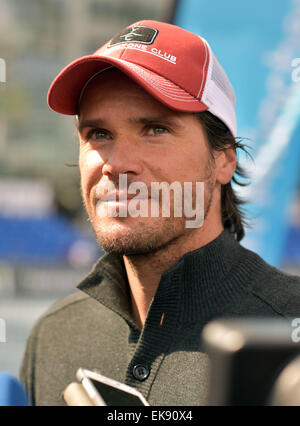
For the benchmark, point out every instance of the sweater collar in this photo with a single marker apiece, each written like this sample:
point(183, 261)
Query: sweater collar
point(200, 284)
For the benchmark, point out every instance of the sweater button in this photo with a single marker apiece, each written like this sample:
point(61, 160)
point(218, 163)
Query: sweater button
point(141, 372)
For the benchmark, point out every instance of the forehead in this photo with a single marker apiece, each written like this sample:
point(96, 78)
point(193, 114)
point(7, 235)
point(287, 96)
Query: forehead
point(113, 86)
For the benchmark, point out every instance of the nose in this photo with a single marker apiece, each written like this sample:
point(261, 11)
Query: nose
point(123, 158)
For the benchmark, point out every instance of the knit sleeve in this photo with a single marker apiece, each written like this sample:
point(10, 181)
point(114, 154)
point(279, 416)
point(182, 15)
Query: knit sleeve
point(27, 370)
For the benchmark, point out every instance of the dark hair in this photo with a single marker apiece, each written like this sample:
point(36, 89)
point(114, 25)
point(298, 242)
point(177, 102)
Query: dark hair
point(220, 138)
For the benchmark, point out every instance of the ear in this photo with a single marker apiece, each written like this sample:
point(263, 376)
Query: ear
point(225, 165)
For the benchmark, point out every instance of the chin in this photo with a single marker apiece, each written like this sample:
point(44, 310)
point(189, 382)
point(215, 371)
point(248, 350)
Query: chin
point(135, 238)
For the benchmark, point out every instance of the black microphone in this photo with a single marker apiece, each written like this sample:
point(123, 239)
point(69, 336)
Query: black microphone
point(254, 361)
point(12, 392)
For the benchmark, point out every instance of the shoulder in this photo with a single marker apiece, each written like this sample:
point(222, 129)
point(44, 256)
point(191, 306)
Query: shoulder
point(63, 306)
point(65, 314)
point(276, 288)
point(68, 302)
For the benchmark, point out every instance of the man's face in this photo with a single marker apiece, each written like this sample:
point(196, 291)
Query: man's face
point(125, 131)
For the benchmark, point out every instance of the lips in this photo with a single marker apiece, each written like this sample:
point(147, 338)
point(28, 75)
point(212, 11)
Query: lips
point(121, 204)
point(119, 196)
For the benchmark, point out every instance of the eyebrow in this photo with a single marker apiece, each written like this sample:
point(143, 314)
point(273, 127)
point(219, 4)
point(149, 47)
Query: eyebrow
point(163, 119)
point(99, 122)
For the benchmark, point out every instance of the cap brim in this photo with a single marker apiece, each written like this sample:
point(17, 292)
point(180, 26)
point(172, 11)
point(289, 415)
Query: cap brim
point(65, 91)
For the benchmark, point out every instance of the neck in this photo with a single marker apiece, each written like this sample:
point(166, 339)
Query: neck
point(144, 271)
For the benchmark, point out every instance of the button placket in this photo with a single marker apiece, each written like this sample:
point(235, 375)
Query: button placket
point(156, 336)
point(141, 372)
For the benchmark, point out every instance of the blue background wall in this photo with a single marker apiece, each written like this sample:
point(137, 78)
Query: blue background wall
point(256, 42)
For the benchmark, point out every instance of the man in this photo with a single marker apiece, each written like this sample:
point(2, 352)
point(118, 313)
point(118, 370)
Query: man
point(153, 105)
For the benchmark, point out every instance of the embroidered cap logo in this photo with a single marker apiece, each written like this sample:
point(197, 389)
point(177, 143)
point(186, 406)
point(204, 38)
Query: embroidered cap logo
point(135, 34)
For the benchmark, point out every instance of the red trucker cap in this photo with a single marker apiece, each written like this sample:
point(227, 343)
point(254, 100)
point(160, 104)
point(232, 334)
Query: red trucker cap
point(175, 66)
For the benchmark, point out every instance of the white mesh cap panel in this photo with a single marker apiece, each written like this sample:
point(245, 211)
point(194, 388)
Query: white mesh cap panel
point(219, 105)
point(219, 95)
point(220, 78)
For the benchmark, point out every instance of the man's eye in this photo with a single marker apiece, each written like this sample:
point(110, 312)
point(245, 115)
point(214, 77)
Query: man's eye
point(157, 130)
point(97, 134)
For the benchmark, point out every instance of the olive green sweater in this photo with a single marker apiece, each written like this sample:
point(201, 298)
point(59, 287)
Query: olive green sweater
point(94, 328)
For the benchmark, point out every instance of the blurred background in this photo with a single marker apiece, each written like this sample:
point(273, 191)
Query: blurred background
point(46, 242)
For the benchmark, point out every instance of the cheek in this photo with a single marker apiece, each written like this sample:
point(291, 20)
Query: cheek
point(90, 164)
point(194, 167)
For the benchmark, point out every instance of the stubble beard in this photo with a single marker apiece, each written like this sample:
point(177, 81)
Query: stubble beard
point(144, 238)
point(148, 235)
